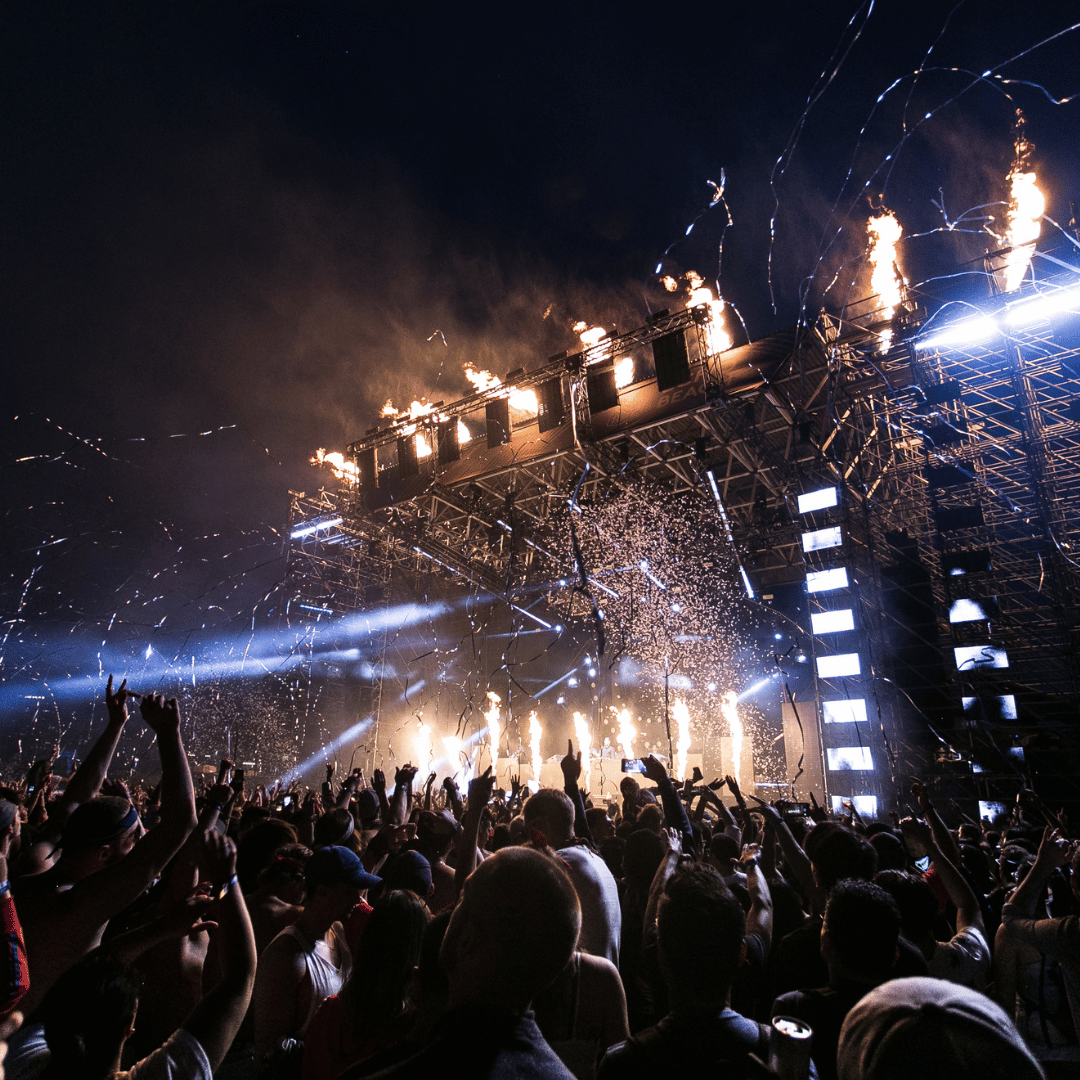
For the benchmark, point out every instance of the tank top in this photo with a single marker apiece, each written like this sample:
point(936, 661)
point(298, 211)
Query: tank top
point(326, 977)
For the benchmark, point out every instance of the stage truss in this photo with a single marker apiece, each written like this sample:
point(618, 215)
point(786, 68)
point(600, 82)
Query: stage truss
point(939, 457)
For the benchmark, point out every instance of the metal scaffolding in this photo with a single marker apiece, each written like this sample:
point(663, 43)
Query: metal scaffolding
point(958, 472)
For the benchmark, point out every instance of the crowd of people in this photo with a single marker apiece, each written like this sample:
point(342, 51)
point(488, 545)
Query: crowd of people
point(375, 929)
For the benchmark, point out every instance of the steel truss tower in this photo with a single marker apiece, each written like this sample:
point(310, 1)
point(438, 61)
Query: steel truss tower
point(942, 578)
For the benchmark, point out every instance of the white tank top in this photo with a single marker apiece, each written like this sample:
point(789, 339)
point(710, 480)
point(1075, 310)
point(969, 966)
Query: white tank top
point(326, 978)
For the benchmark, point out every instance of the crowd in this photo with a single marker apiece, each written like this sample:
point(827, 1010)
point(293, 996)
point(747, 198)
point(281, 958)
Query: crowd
point(393, 930)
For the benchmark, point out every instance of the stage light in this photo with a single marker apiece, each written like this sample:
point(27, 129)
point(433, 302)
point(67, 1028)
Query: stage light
point(1006, 706)
point(836, 667)
point(817, 500)
point(822, 539)
point(832, 622)
point(991, 809)
point(967, 611)
point(979, 656)
point(865, 805)
point(572, 681)
point(971, 331)
point(313, 527)
point(845, 711)
point(676, 608)
point(826, 580)
point(849, 758)
point(644, 567)
point(778, 636)
point(1037, 308)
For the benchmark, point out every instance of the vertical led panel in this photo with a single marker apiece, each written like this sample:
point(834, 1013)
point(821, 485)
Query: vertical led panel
point(846, 711)
point(849, 759)
point(826, 580)
point(817, 500)
point(838, 666)
point(832, 622)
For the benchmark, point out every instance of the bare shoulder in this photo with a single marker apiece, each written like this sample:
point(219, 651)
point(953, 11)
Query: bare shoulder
point(285, 953)
point(597, 971)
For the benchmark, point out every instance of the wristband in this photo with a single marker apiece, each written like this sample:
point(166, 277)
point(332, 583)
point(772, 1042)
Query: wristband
point(222, 890)
point(5, 888)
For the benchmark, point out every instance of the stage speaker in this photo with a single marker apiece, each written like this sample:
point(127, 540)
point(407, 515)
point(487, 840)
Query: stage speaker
point(552, 408)
point(449, 444)
point(498, 423)
point(600, 384)
point(408, 462)
point(368, 469)
point(672, 361)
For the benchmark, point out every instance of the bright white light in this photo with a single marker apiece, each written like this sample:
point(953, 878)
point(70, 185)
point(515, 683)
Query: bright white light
point(991, 809)
point(822, 539)
point(847, 711)
point(1006, 703)
point(853, 758)
point(965, 332)
point(817, 500)
point(313, 527)
point(746, 583)
point(826, 580)
point(966, 611)
point(832, 622)
point(712, 688)
point(865, 805)
point(835, 667)
point(644, 567)
point(979, 656)
point(1037, 308)
point(572, 681)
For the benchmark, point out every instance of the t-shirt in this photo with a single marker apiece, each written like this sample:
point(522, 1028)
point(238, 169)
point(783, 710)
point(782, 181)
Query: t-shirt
point(598, 893)
point(181, 1058)
point(965, 959)
point(693, 1042)
point(1058, 939)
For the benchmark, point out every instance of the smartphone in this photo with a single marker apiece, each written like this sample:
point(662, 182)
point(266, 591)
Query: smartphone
point(632, 765)
point(286, 801)
point(237, 779)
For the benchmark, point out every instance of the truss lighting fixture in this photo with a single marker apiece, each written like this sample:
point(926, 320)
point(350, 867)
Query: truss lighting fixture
point(845, 711)
point(991, 809)
point(967, 611)
point(817, 500)
point(839, 666)
point(865, 805)
point(979, 656)
point(822, 539)
point(832, 622)
point(827, 580)
point(313, 527)
point(849, 758)
point(973, 331)
point(1006, 704)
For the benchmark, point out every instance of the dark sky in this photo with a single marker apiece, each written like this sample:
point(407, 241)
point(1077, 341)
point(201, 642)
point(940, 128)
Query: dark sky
point(254, 217)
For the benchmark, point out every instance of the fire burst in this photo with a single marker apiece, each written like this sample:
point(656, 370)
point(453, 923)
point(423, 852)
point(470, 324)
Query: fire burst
point(730, 709)
point(584, 738)
point(626, 731)
point(885, 281)
point(494, 731)
point(535, 733)
point(700, 293)
point(1026, 208)
point(522, 400)
point(682, 742)
point(422, 746)
point(343, 469)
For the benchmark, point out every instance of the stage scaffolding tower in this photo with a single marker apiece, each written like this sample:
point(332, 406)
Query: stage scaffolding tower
point(956, 518)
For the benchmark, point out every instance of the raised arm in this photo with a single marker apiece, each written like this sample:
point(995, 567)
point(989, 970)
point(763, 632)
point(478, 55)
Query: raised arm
point(571, 770)
point(795, 858)
point(480, 790)
point(667, 867)
point(111, 889)
point(674, 811)
point(968, 911)
point(217, 1018)
point(759, 919)
point(942, 837)
point(399, 803)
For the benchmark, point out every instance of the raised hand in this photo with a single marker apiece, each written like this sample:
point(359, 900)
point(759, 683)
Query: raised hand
point(404, 776)
point(217, 858)
point(570, 765)
point(330, 767)
point(674, 842)
point(378, 780)
point(919, 831)
point(655, 770)
point(768, 812)
point(429, 782)
point(161, 716)
point(116, 702)
point(480, 789)
point(1054, 849)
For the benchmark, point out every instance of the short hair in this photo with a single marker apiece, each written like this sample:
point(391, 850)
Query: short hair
point(863, 925)
point(334, 827)
point(525, 904)
point(96, 823)
point(701, 928)
point(596, 815)
point(918, 905)
point(724, 847)
point(840, 853)
point(256, 848)
point(552, 805)
point(651, 817)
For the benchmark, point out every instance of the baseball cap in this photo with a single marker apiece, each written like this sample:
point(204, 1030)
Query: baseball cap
point(337, 866)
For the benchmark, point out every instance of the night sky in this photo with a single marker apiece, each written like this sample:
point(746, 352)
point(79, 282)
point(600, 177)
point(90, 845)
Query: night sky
point(231, 231)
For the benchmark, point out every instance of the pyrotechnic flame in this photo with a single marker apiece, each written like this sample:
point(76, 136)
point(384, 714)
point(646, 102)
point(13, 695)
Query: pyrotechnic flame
point(492, 718)
point(535, 732)
point(700, 293)
point(589, 335)
point(584, 741)
point(422, 745)
point(524, 401)
point(626, 731)
point(682, 741)
point(885, 281)
point(463, 433)
point(669, 283)
point(461, 769)
point(730, 709)
point(481, 380)
point(1026, 208)
point(624, 371)
point(343, 469)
